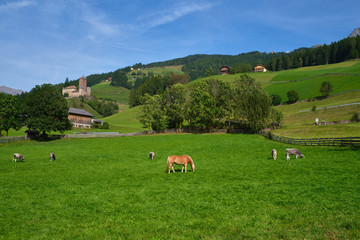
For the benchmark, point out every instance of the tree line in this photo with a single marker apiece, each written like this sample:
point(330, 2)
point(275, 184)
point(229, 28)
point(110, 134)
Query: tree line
point(346, 49)
point(153, 84)
point(209, 104)
point(43, 109)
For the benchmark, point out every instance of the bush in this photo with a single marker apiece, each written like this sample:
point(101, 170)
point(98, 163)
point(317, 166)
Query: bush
point(293, 96)
point(355, 117)
point(276, 99)
point(105, 125)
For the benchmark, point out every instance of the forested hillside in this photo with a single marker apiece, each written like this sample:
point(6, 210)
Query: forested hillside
point(197, 66)
point(336, 52)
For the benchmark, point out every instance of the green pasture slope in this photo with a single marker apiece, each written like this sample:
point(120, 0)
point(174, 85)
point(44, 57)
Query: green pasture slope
point(300, 123)
point(105, 91)
point(306, 81)
point(107, 188)
point(125, 121)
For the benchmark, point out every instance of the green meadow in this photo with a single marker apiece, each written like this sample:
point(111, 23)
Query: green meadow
point(105, 91)
point(107, 188)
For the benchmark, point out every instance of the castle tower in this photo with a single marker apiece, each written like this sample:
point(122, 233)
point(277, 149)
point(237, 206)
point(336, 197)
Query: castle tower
point(82, 83)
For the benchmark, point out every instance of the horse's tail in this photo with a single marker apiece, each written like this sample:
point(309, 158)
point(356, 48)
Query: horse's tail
point(168, 165)
point(192, 164)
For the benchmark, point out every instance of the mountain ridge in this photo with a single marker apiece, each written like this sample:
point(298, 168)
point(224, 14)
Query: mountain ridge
point(355, 33)
point(12, 91)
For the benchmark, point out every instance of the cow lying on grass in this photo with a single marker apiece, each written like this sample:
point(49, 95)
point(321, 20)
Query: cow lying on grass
point(293, 151)
point(19, 157)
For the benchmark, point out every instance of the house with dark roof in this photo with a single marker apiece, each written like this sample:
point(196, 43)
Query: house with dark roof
point(80, 118)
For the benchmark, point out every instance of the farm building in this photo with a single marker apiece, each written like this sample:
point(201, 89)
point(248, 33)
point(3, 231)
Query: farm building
point(83, 90)
point(80, 118)
point(260, 68)
point(224, 70)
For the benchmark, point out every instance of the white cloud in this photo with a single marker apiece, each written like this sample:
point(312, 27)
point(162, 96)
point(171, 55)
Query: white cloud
point(16, 5)
point(174, 13)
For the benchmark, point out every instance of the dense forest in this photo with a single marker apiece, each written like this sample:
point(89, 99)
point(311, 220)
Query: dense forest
point(346, 49)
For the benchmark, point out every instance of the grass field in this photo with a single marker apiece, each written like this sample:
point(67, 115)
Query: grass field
point(105, 91)
point(107, 188)
point(352, 67)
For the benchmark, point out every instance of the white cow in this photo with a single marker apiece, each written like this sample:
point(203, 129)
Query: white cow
point(151, 155)
point(274, 154)
point(18, 156)
point(293, 151)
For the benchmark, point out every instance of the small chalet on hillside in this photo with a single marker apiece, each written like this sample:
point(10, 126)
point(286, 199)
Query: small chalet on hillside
point(224, 70)
point(260, 68)
point(80, 118)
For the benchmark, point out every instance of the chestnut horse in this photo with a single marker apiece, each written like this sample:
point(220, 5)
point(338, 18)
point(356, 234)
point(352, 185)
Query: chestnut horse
point(180, 160)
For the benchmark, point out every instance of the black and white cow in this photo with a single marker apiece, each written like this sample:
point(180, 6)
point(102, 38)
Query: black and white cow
point(274, 154)
point(293, 151)
point(18, 156)
point(52, 157)
point(151, 155)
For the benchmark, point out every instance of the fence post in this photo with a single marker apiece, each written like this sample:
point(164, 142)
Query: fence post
point(350, 141)
point(318, 141)
point(333, 141)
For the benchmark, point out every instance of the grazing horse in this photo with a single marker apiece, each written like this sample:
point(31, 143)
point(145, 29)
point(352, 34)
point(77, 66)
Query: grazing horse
point(151, 155)
point(274, 154)
point(180, 160)
point(18, 156)
point(52, 156)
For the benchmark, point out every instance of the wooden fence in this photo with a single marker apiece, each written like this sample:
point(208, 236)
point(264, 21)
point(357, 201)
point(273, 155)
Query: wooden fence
point(11, 139)
point(330, 141)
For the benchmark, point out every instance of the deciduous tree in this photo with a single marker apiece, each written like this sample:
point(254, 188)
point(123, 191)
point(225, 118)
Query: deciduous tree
point(325, 89)
point(292, 96)
point(9, 113)
point(253, 103)
point(46, 110)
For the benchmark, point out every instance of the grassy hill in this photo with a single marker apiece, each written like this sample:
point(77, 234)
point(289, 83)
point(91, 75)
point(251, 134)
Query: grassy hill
point(158, 70)
point(105, 91)
point(125, 121)
point(306, 81)
point(297, 123)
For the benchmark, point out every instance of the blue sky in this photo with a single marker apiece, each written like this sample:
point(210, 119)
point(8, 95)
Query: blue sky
point(46, 41)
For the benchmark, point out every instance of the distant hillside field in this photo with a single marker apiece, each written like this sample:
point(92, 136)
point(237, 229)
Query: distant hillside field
point(107, 92)
point(125, 121)
point(348, 67)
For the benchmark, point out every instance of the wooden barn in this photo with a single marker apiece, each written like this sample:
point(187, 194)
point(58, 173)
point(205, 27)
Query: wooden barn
point(80, 118)
point(260, 68)
point(224, 70)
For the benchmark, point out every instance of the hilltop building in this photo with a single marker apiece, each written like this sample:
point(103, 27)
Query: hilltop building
point(73, 91)
point(224, 70)
point(260, 68)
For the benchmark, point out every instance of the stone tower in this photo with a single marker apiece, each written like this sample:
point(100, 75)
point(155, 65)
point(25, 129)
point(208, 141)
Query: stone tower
point(82, 83)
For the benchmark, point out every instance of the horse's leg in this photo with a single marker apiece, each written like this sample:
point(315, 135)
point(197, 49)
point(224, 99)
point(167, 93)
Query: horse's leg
point(172, 166)
point(185, 166)
point(182, 169)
